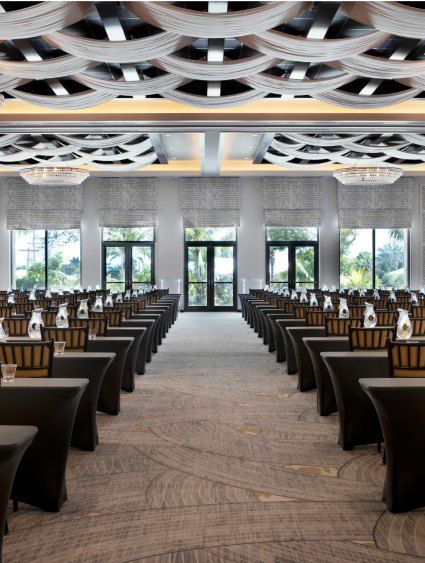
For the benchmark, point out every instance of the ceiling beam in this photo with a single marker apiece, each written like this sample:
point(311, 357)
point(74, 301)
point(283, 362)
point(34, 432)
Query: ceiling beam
point(159, 147)
point(211, 153)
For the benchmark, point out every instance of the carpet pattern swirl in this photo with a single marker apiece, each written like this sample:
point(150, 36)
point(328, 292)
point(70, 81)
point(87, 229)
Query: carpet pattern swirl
point(217, 457)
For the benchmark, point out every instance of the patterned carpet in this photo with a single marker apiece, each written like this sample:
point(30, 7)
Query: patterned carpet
point(216, 457)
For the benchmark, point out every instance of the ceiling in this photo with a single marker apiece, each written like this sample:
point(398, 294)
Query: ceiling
point(208, 88)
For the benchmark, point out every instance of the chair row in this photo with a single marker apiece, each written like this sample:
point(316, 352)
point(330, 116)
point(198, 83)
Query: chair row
point(332, 356)
point(57, 398)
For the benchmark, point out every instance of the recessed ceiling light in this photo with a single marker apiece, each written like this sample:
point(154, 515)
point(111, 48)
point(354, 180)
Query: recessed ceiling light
point(250, 147)
point(167, 135)
point(255, 134)
point(246, 158)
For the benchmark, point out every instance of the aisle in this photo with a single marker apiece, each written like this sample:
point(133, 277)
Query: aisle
point(217, 456)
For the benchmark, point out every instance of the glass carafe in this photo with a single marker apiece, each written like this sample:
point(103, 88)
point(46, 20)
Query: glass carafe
point(303, 297)
point(98, 304)
point(327, 305)
point(370, 318)
point(404, 326)
point(313, 300)
point(83, 309)
point(2, 333)
point(62, 316)
point(109, 302)
point(35, 324)
point(343, 312)
point(294, 295)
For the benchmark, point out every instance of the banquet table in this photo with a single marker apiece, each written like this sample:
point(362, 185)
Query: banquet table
point(359, 423)
point(326, 401)
point(400, 404)
point(110, 390)
point(284, 324)
point(91, 366)
point(277, 333)
point(146, 344)
point(305, 369)
point(49, 404)
point(132, 361)
point(14, 441)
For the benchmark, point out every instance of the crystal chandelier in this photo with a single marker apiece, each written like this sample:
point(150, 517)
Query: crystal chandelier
point(374, 176)
point(63, 176)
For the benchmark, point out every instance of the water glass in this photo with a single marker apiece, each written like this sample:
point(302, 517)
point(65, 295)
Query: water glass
point(8, 372)
point(92, 334)
point(59, 348)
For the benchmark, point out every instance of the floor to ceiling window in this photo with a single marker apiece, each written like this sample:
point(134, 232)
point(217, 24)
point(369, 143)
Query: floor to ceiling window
point(292, 257)
point(210, 268)
point(374, 258)
point(47, 259)
point(128, 258)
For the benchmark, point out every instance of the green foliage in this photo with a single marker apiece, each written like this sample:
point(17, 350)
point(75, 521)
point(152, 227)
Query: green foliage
point(207, 234)
point(138, 234)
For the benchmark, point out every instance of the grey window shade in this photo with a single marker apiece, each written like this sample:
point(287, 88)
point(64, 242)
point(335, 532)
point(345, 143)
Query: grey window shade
point(381, 207)
point(42, 207)
point(293, 202)
point(127, 202)
point(210, 202)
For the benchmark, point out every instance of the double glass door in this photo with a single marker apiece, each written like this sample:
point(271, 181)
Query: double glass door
point(210, 276)
point(293, 264)
point(128, 265)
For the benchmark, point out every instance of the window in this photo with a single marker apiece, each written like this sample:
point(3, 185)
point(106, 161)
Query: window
point(374, 258)
point(206, 234)
point(139, 234)
point(128, 258)
point(292, 257)
point(49, 259)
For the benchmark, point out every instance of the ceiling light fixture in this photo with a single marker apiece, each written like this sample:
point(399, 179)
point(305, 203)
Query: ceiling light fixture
point(63, 176)
point(363, 176)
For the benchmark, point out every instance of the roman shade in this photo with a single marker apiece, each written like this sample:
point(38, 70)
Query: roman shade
point(210, 202)
point(379, 207)
point(127, 202)
point(42, 207)
point(293, 202)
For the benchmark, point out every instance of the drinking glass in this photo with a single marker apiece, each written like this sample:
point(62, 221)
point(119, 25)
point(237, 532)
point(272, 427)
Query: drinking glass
point(92, 334)
point(59, 348)
point(8, 372)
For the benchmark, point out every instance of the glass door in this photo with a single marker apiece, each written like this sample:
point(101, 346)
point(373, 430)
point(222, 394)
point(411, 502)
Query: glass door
point(128, 265)
point(210, 276)
point(293, 265)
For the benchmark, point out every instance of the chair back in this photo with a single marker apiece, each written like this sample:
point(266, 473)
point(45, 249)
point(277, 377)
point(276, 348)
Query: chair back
point(33, 359)
point(125, 308)
point(17, 326)
point(418, 326)
point(364, 338)
point(406, 359)
point(76, 339)
point(299, 310)
point(417, 311)
point(49, 318)
point(21, 308)
point(380, 303)
point(339, 327)
point(114, 316)
point(386, 318)
point(4, 311)
point(99, 324)
point(356, 311)
point(314, 317)
point(42, 304)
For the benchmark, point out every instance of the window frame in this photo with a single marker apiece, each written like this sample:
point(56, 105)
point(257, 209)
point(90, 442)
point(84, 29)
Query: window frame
point(292, 244)
point(128, 245)
point(46, 255)
point(409, 234)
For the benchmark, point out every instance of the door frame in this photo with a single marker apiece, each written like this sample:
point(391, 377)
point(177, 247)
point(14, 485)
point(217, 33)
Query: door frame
point(128, 245)
point(291, 245)
point(210, 245)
